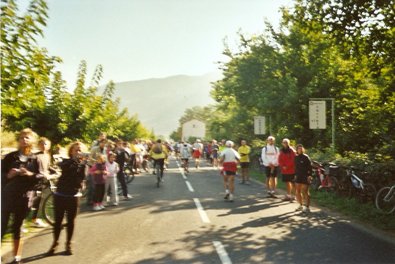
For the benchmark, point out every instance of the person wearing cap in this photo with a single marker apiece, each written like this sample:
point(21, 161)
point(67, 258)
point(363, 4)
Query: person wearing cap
point(269, 159)
point(229, 159)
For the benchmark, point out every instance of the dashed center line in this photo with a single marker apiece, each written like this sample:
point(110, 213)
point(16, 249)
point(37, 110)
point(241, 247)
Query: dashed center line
point(223, 255)
point(219, 247)
point(201, 211)
point(190, 188)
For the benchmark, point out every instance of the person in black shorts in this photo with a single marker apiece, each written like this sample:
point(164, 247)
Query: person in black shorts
point(303, 171)
point(286, 161)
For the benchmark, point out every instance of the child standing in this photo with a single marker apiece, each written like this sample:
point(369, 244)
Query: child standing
point(111, 181)
point(99, 172)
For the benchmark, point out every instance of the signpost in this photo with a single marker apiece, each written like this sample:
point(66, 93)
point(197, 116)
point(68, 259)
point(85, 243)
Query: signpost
point(317, 115)
point(259, 125)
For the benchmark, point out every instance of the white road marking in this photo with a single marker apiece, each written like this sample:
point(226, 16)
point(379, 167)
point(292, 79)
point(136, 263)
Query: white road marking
point(201, 211)
point(181, 170)
point(190, 188)
point(223, 255)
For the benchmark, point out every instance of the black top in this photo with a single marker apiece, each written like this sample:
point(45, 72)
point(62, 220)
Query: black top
point(73, 173)
point(122, 157)
point(18, 185)
point(303, 165)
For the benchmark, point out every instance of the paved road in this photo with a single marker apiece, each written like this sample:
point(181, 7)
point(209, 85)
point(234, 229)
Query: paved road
point(165, 226)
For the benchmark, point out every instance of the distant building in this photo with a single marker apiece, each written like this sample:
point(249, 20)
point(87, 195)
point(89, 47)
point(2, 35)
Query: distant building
point(193, 128)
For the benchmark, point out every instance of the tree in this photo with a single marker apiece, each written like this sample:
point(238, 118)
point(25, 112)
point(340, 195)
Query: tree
point(25, 67)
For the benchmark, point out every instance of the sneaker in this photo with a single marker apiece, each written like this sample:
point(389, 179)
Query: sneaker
point(115, 204)
point(39, 223)
point(230, 197)
point(101, 206)
point(226, 196)
point(128, 197)
point(97, 208)
point(306, 209)
point(286, 198)
point(300, 208)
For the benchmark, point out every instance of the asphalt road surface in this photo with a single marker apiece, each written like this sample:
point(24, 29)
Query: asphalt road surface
point(187, 221)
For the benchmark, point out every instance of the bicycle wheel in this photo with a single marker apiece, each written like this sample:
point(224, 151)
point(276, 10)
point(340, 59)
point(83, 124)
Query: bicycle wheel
point(315, 183)
point(129, 175)
point(369, 192)
point(48, 209)
point(332, 184)
point(387, 206)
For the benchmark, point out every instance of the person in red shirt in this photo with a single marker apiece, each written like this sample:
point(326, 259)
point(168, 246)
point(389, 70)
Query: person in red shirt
point(286, 161)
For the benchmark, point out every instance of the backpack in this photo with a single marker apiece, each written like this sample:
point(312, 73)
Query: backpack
point(275, 149)
point(157, 149)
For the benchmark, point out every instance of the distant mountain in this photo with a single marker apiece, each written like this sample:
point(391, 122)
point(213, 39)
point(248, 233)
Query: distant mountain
point(159, 103)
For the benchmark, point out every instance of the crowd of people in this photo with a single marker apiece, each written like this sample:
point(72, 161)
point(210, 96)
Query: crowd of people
point(292, 164)
point(102, 168)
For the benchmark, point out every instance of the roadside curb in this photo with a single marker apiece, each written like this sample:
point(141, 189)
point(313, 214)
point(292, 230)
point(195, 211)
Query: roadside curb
point(366, 228)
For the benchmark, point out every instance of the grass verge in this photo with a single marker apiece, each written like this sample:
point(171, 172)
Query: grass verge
point(363, 213)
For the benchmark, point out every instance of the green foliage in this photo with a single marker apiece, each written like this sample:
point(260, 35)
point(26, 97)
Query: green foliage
point(275, 74)
point(35, 95)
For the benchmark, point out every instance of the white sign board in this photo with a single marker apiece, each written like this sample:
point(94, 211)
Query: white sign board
point(317, 114)
point(259, 125)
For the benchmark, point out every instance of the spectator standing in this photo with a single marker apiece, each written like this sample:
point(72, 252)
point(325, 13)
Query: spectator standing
point(286, 161)
point(122, 157)
point(44, 163)
point(244, 152)
point(66, 197)
point(19, 171)
point(111, 180)
point(99, 173)
point(269, 159)
point(303, 172)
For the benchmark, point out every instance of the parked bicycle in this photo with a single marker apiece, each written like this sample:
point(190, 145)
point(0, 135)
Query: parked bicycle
point(359, 189)
point(323, 178)
point(385, 199)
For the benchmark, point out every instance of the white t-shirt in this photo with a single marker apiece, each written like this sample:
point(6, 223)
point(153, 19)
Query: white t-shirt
point(198, 146)
point(230, 155)
point(185, 151)
point(112, 169)
point(270, 155)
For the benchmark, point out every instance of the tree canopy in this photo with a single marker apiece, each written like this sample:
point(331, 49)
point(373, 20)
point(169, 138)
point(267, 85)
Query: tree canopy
point(34, 94)
point(323, 49)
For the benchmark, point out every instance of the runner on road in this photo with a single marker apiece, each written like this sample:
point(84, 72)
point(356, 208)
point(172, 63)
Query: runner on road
point(197, 152)
point(229, 159)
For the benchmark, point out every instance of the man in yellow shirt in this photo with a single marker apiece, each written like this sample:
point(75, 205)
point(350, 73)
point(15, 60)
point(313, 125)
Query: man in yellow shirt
point(244, 152)
point(159, 153)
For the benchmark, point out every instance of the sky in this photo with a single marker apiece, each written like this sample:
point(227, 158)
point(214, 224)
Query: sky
point(142, 39)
